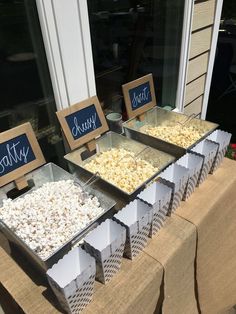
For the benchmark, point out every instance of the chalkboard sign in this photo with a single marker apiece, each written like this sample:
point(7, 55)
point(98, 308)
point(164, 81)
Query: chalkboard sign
point(139, 96)
point(82, 122)
point(19, 153)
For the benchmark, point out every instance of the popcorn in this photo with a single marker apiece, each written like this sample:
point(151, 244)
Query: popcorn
point(50, 216)
point(181, 135)
point(121, 168)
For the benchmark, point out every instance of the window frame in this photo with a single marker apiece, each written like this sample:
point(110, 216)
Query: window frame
point(60, 43)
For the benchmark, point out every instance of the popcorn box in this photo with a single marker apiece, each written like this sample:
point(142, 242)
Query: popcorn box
point(106, 244)
point(158, 196)
point(72, 280)
point(136, 217)
point(223, 139)
point(208, 150)
point(175, 177)
point(194, 163)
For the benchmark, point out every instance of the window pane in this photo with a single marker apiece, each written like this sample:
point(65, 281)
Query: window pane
point(134, 38)
point(25, 87)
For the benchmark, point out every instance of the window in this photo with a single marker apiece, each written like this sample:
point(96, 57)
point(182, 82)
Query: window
point(131, 39)
point(25, 87)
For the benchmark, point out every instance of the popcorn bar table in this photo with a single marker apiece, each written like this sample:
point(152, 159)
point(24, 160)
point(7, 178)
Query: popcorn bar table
point(164, 274)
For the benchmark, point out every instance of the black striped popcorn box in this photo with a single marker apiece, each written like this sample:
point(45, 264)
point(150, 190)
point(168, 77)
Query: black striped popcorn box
point(136, 217)
point(194, 163)
point(106, 244)
point(208, 150)
point(72, 280)
point(175, 177)
point(158, 196)
point(223, 139)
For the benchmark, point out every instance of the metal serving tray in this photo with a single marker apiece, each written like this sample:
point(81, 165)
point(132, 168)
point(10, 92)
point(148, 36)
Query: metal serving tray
point(113, 140)
point(157, 116)
point(52, 173)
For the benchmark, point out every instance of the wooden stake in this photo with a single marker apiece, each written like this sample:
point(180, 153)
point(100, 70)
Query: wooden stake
point(141, 117)
point(21, 183)
point(91, 145)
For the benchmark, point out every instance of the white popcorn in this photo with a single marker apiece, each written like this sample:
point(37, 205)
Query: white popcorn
point(121, 168)
point(50, 216)
point(181, 135)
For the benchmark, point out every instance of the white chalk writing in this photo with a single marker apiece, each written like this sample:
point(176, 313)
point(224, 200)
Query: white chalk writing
point(89, 124)
point(14, 155)
point(143, 96)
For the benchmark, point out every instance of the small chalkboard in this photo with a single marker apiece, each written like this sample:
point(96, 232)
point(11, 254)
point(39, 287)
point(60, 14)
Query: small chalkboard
point(82, 122)
point(139, 96)
point(19, 153)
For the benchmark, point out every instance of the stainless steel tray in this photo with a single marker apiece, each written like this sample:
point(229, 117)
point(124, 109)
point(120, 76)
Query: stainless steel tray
point(113, 140)
point(157, 116)
point(52, 173)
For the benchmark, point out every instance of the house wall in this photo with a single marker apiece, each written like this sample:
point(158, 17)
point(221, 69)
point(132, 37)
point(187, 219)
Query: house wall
point(204, 14)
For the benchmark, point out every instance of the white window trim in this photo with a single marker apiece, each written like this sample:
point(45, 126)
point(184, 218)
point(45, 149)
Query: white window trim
point(66, 35)
point(184, 56)
point(215, 34)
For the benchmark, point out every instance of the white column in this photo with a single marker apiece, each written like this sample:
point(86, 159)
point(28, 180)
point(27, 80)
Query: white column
point(66, 34)
point(185, 47)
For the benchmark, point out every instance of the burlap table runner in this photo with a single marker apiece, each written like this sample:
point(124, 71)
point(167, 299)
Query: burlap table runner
point(212, 209)
point(174, 247)
point(136, 289)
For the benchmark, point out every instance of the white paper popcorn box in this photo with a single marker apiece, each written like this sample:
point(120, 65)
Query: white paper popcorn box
point(223, 139)
point(106, 243)
point(208, 150)
point(175, 177)
point(194, 163)
point(72, 280)
point(136, 217)
point(158, 196)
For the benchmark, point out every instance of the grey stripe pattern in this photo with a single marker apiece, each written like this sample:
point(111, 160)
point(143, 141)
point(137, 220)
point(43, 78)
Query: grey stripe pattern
point(137, 242)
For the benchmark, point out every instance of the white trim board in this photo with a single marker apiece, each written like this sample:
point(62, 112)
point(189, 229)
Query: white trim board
point(66, 35)
point(185, 46)
point(215, 33)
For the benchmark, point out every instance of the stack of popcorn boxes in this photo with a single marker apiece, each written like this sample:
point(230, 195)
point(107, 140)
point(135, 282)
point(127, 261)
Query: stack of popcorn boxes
point(221, 138)
point(106, 244)
point(193, 163)
point(207, 150)
point(158, 196)
point(136, 217)
point(175, 177)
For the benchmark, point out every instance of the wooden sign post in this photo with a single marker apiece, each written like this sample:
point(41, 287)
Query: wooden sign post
point(20, 153)
point(82, 122)
point(139, 96)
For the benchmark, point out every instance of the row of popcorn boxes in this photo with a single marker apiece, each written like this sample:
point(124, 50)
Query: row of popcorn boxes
point(72, 278)
point(192, 169)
